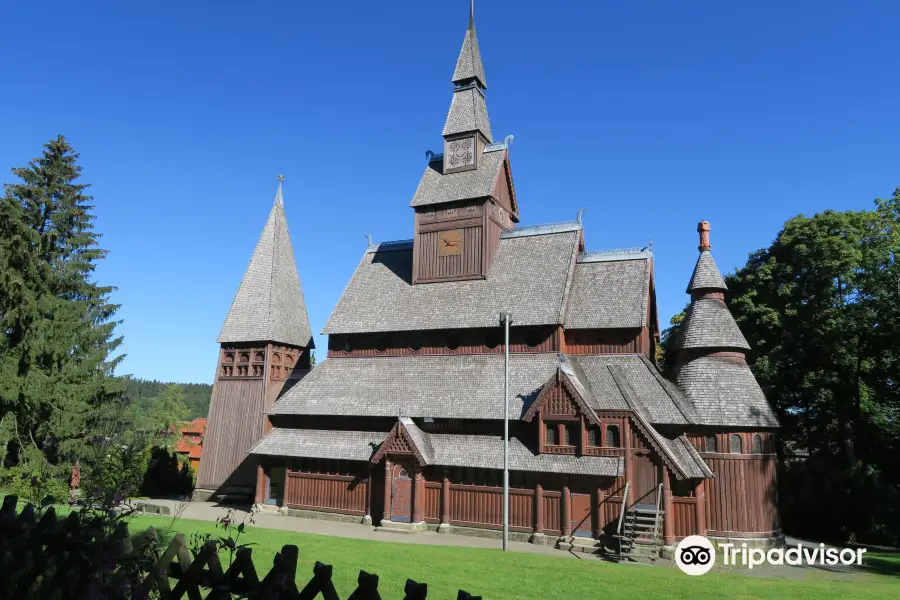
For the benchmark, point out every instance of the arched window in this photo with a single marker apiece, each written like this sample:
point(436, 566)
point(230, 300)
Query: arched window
point(757, 444)
point(594, 436)
point(550, 436)
point(533, 338)
point(736, 445)
point(453, 341)
point(710, 443)
point(492, 340)
point(612, 436)
point(380, 344)
point(348, 345)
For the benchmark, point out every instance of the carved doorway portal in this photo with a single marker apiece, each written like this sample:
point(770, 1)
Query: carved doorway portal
point(401, 486)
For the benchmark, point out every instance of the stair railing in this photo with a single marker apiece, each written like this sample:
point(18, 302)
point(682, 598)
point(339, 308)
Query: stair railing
point(658, 509)
point(624, 502)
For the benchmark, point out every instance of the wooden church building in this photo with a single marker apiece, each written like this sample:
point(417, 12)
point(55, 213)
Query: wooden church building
point(402, 424)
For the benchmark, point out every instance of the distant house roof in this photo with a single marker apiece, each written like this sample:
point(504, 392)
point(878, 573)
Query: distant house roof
point(269, 304)
point(529, 277)
point(198, 425)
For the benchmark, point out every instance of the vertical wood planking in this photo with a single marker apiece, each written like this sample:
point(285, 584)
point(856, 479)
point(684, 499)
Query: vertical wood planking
point(551, 512)
point(326, 492)
point(432, 502)
point(236, 423)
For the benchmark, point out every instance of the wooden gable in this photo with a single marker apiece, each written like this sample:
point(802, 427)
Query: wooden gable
point(559, 399)
point(398, 443)
point(504, 191)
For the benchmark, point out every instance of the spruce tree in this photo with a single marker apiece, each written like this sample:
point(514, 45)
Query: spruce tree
point(56, 324)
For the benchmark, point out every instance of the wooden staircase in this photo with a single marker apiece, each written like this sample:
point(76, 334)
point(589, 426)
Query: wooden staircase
point(640, 529)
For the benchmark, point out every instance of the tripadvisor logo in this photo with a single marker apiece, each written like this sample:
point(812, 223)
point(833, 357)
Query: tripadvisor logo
point(695, 555)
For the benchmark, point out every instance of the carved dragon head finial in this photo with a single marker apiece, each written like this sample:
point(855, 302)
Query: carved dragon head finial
point(580, 212)
point(429, 155)
point(508, 140)
point(369, 238)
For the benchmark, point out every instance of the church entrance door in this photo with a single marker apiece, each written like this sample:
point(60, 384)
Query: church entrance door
point(401, 486)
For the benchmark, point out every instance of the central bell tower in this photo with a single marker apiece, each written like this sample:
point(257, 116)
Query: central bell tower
point(466, 197)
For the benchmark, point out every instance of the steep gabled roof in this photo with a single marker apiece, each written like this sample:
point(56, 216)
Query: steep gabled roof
point(680, 460)
point(528, 278)
point(269, 304)
point(610, 290)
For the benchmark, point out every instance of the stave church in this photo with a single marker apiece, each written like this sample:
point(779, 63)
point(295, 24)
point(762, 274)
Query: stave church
point(401, 427)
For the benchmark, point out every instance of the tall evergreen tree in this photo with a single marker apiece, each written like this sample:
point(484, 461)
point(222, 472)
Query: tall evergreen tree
point(56, 324)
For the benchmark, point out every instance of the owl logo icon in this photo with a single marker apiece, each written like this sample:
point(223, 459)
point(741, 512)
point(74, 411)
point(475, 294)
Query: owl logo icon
point(695, 555)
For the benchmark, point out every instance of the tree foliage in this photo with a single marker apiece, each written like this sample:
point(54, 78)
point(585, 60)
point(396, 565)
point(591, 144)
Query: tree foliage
point(821, 310)
point(57, 331)
point(144, 393)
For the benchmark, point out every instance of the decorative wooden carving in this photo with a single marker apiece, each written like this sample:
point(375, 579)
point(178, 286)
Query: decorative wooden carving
point(559, 403)
point(460, 154)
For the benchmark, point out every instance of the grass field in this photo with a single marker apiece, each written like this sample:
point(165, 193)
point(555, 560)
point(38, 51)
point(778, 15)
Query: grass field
point(493, 574)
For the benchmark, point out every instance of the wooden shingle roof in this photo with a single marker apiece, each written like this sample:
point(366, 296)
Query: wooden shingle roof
point(269, 304)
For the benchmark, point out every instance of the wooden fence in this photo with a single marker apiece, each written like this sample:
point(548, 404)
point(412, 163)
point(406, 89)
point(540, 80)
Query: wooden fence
point(38, 559)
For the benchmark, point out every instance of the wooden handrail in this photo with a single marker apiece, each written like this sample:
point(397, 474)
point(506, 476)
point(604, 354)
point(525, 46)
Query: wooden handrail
point(658, 508)
point(624, 502)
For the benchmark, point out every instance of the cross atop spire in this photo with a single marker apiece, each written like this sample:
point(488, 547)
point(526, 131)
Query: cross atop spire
point(469, 68)
point(279, 201)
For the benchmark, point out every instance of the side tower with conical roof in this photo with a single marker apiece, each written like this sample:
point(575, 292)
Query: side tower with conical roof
point(265, 346)
point(735, 431)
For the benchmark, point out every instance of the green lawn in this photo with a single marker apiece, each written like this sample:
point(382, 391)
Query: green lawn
point(520, 576)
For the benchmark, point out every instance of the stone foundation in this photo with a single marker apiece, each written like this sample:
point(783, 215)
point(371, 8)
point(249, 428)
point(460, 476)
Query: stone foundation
point(496, 534)
point(322, 516)
point(202, 495)
point(776, 541)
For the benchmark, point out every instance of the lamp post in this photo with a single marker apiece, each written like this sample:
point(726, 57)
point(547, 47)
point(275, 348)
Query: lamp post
point(505, 320)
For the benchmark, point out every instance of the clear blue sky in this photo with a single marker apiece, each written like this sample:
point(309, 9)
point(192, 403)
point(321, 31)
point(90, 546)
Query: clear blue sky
point(653, 115)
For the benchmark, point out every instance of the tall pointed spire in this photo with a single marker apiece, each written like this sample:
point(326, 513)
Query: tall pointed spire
point(468, 110)
point(469, 68)
point(278, 199)
point(269, 304)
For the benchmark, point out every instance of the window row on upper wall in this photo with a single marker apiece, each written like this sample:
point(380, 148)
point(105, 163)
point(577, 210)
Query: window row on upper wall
point(736, 445)
point(464, 341)
point(567, 434)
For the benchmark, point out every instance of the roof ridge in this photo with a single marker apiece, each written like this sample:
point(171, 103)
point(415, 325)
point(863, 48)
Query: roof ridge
point(542, 229)
point(616, 254)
